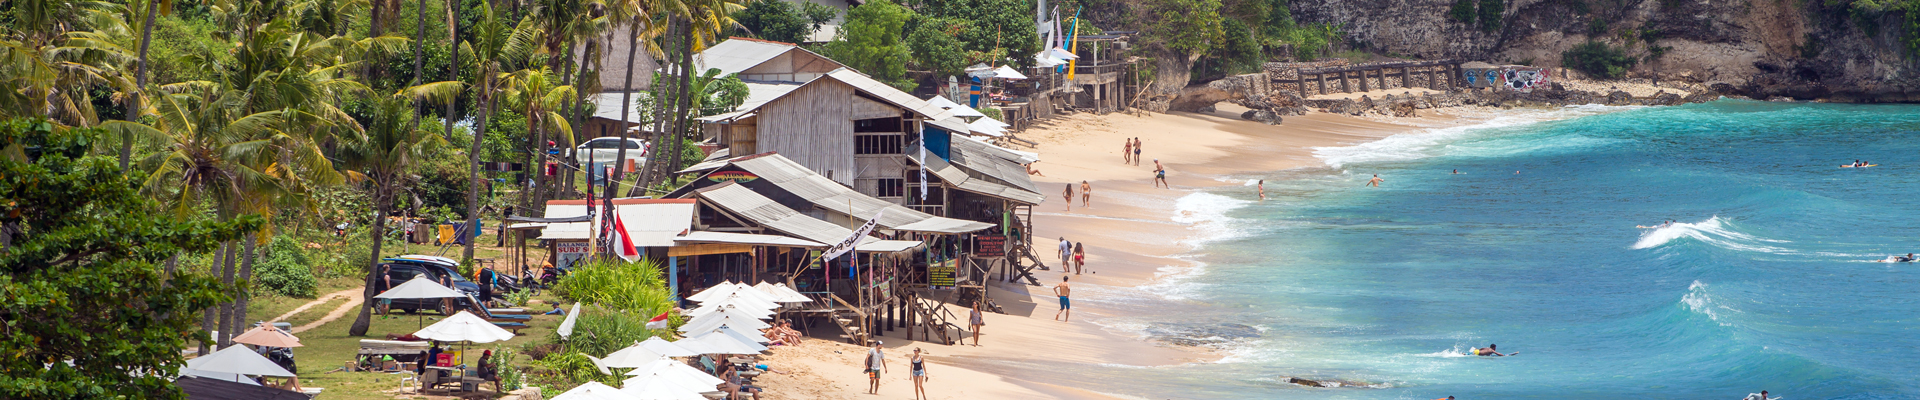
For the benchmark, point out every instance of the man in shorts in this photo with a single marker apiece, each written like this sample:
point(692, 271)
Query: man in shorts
point(876, 361)
point(1066, 255)
point(1066, 307)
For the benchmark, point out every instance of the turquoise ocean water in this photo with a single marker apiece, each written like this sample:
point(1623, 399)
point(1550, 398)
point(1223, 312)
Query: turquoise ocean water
point(1765, 282)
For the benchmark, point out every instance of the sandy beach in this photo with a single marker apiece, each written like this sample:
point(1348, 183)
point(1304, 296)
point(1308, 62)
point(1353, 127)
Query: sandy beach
point(1132, 237)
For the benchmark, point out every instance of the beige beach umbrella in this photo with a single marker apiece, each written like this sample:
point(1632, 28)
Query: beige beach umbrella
point(269, 336)
point(236, 360)
point(594, 391)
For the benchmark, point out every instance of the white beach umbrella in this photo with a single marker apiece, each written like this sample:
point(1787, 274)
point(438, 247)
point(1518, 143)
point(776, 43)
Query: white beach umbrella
point(1005, 72)
point(695, 346)
point(419, 288)
point(229, 377)
point(666, 348)
point(722, 289)
point(566, 326)
point(749, 310)
point(937, 101)
point(669, 386)
point(669, 367)
point(791, 296)
point(464, 327)
point(631, 357)
point(744, 336)
point(742, 298)
point(738, 290)
point(717, 319)
point(653, 389)
point(720, 343)
point(594, 391)
point(236, 360)
point(988, 126)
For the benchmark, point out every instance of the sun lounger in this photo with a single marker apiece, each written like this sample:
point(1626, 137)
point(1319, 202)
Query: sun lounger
point(509, 311)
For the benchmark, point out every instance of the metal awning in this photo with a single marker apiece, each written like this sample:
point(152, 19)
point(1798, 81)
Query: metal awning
point(746, 238)
point(762, 211)
point(831, 196)
point(651, 222)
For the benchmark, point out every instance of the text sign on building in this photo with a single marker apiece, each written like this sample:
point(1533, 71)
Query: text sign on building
point(570, 252)
point(940, 275)
point(990, 246)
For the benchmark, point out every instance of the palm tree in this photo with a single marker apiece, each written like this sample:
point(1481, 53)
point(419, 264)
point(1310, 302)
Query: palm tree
point(249, 142)
point(380, 158)
point(534, 93)
point(499, 50)
point(698, 24)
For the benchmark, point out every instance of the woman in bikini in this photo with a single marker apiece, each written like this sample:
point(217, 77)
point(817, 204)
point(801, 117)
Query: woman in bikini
point(1079, 257)
point(1086, 194)
point(1068, 195)
point(1126, 153)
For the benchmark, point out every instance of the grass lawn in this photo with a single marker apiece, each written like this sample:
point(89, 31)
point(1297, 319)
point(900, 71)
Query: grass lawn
point(328, 348)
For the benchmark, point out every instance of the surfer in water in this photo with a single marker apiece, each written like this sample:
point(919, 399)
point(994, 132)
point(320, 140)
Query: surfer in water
point(1489, 351)
point(1661, 225)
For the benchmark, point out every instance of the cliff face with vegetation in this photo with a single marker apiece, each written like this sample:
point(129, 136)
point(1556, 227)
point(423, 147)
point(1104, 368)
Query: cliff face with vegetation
point(1806, 49)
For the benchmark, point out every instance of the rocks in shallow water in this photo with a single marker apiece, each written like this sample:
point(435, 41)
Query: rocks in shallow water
point(1263, 116)
point(1325, 383)
point(1200, 334)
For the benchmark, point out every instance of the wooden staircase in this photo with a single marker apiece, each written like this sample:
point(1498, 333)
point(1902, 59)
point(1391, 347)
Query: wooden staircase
point(933, 316)
point(850, 319)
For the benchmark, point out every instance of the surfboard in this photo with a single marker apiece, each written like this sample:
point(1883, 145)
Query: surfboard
point(1868, 165)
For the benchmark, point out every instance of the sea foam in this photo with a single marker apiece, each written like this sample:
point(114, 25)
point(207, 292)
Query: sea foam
point(1433, 142)
point(1714, 231)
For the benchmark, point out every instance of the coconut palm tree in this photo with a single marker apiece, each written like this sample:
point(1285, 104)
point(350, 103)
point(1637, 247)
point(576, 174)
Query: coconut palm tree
point(379, 159)
point(534, 93)
point(500, 48)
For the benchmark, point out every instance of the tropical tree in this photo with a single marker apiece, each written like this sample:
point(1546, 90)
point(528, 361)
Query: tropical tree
point(248, 143)
point(90, 311)
point(535, 94)
point(700, 23)
point(379, 159)
point(870, 42)
point(500, 48)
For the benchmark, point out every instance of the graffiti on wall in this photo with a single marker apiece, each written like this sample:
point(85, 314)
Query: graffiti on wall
point(1512, 77)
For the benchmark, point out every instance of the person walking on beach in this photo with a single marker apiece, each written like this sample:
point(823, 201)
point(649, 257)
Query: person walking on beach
point(919, 369)
point(1375, 182)
point(1126, 153)
point(1066, 255)
point(1086, 194)
point(975, 320)
point(1160, 175)
point(1079, 257)
point(1066, 307)
point(1068, 194)
point(1135, 150)
point(1263, 189)
point(876, 361)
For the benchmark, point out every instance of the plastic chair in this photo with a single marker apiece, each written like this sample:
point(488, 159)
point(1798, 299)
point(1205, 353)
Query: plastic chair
point(409, 376)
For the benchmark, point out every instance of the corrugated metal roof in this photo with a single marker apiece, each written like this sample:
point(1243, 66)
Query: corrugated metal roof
point(954, 124)
point(747, 238)
point(735, 55)
point(831, 196)
point(651, 222)
point(758, 94)
point(964, 181)
point(607, 106)
point(771, 215)
point(1000, 164)
point(886, 246)
point(890, 94)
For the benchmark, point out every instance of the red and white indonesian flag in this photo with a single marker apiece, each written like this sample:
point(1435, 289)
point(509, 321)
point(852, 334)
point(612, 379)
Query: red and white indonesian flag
point(658, 322)
point(620, 241)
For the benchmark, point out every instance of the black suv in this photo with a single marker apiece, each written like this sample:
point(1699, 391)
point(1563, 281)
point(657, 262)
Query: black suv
point(402, 269)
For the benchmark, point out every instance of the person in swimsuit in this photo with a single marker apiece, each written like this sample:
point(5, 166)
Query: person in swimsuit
point(1086, 194)
point(976, 320)
point(919, 375)
point(1263, 189)
point(1079, 257)
point(1126, 153)
point(1135, 150)
point(1160, 175)
point(1068, 194)
point(1489, 351)
point(1375, 182)
point(1031, 171)
point(1066, 307)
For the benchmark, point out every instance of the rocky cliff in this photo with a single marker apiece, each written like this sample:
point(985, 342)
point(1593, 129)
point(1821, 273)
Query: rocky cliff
point(1805, 49)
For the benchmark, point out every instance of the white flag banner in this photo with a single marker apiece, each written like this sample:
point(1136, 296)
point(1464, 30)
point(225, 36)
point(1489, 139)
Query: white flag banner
point(847, 245)
point(923, 165)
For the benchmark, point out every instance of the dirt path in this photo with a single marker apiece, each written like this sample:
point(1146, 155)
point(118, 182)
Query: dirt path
point(353, 301)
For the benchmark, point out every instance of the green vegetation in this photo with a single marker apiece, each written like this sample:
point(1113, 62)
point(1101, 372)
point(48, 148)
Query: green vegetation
point(1490, 13)
point(1462, 11)
point(283, 270)
point(1598, 59)
point(870, 42)
point(88, 297)
point(781, 21)
point(935, 47)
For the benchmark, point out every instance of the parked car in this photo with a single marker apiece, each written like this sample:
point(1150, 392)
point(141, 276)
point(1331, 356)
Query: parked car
point(607, 150)
point(404, 268)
